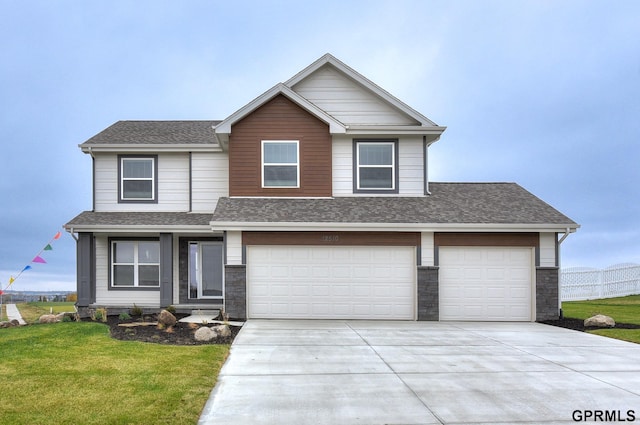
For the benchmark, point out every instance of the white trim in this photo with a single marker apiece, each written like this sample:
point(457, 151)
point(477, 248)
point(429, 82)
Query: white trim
point(388, 227)
point(280, 164)
point(130, 228)
point(152, 178)
point(199, 269)
point(155, 148)
point(136, 264)
point(393, 165)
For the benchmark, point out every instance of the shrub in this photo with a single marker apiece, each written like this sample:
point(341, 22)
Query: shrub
point(171, 309)
point(124, 316)
point(98, 315)
point(136, 311)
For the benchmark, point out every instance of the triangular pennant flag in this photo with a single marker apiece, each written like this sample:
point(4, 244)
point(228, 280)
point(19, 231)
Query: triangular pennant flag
point(26, 268)
point(38, 259)
point(11, 280)
point(57, 236)
point(47, 248)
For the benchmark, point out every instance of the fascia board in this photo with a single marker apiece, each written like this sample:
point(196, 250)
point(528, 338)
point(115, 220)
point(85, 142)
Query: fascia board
point(335, 126)
point(98, 228)
point(396, 129)
point(390, 227)
point(128, 147)
point(361, 79)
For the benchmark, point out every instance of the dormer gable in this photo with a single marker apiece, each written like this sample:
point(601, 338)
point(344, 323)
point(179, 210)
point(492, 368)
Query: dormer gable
point(345, 100)
point(352, 98)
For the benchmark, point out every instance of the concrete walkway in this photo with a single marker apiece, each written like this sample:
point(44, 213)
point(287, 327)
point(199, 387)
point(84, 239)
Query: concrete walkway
point(14, 313)
point(362, 372)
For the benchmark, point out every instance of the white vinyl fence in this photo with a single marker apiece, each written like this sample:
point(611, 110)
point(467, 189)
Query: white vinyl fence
point(583, 283)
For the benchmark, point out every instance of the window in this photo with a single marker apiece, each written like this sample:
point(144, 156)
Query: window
point(137, 179)
point(135, 263)
point(375, 167)
point(280, 163)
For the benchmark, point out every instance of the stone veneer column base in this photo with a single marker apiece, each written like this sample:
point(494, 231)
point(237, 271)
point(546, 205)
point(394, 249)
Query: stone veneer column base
point(547, 294)
point(235, 291)
point(428, 295)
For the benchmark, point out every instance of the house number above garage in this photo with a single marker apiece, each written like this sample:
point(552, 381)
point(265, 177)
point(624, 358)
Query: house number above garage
point(330, 238)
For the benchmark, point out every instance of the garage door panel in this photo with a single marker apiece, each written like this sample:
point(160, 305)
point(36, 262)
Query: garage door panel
point(340, 282)
point(485, 283)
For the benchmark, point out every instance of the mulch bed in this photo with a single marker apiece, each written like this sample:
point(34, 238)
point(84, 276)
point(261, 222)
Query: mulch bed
point(179, 334)
point(578, 324)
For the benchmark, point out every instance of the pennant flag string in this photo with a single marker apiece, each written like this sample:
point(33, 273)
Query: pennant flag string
point(37, 259)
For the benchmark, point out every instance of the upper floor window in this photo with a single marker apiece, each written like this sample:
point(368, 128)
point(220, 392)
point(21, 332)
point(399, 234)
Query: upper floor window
point(135, 263)
point(280, 163)
point(375, 166)
point(138, 178)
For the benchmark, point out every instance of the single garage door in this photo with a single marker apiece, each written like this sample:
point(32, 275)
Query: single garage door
point(485, 283)
point(337, 282)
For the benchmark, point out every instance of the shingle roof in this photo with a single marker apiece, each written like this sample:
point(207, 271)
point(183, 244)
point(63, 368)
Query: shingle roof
point(156, 132)
point(460, 203)
point(91, 218)
point(449, 203)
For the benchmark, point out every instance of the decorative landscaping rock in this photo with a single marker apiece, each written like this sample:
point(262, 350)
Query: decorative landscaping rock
point(222, 331)
point(599, 321)
point(49, 318)
point(166, 318)
point(205, 334)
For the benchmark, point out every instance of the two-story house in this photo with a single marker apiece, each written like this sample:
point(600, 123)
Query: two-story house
point(312, 201)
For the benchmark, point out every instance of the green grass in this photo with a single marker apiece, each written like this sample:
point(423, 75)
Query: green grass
point(32, 311)
point(75, 373)
point(622, 310)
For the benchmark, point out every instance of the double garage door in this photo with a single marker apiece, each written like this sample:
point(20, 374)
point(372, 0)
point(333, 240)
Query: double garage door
point(365, 282)
point(331, 282)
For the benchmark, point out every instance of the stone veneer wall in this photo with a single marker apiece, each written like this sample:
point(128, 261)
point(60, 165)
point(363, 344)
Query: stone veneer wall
point(547, 296)
point(428, 295)
point(235, 291)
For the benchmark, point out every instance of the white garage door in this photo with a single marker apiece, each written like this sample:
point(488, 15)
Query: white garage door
point(485, 283)
point(338, 282)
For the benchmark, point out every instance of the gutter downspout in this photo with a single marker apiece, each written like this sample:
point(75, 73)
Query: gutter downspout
point(566, 234)
point(73, 235)
point(425, 146)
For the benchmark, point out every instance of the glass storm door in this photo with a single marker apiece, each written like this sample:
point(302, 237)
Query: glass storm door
point(205, 270)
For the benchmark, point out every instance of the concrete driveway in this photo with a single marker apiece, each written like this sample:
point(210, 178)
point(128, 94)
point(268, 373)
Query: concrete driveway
point(361, 372)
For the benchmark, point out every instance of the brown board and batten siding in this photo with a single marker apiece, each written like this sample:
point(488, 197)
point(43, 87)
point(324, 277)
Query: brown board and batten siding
point(487, 239)
point(280, 119)
point(332, 238)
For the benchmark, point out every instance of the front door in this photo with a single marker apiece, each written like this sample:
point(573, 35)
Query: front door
point(205, 271)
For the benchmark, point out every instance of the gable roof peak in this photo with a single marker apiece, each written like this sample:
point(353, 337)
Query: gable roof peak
point(363, 81)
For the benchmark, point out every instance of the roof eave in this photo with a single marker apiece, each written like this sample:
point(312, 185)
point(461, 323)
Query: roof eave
point(392, 227)
point(119, 228)
point(150, 147)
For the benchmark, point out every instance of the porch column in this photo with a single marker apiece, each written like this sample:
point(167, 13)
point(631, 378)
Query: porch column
point(166, 269)
point(85, 263)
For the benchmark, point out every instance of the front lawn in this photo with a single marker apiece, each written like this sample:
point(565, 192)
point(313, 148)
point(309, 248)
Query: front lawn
point(622, 309)
point(75, 373)
point(32, 311)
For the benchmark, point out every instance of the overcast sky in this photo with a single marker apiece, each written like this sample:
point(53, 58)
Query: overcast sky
point(542, 93)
